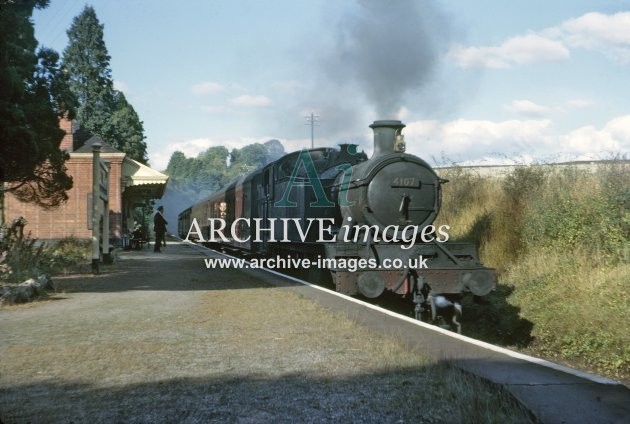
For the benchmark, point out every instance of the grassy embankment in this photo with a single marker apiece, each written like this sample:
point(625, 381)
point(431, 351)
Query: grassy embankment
point(560, 240)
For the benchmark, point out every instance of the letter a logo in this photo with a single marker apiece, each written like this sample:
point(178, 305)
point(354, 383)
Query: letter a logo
point(312, 180)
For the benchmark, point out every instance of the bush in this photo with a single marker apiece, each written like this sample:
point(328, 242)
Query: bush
point(483, 210)
point(560, 239)
point(577, 209)
point(22, 258)
point(69, 254)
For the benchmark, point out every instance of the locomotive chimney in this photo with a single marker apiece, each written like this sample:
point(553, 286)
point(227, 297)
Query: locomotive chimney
point(388, 137)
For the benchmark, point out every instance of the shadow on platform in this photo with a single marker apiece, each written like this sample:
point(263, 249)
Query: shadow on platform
point(178, 267)
point(297, 397)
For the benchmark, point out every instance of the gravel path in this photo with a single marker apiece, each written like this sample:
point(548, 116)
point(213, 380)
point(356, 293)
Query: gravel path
point(159, 338)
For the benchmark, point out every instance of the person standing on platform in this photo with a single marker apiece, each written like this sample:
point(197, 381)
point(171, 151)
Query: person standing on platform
point(159, 226)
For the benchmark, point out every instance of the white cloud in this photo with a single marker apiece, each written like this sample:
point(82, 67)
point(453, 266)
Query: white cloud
point(471, 137)
point(614, 137)
point(251, 101)
point(528, 109)
point(207, 87)
point(522, 50)
point(463, 141)
point(477, 140)
point(608, 34)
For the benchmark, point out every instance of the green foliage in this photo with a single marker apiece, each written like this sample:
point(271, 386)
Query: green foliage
point(86, 61)
point(22, 258)
point(469, 208)
point(125, 130)
point(195, 178)
point(560, 238)
point(581, 210)
point(523, 183)
point(34, 96)
point(247, 159)
point(68, 254)
point(587, 346)
point(102, 110)
point(143, 217)
point(579, 306)
point(464, 188)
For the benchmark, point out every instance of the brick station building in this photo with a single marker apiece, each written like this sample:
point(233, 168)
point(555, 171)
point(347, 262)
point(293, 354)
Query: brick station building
point(130, 184)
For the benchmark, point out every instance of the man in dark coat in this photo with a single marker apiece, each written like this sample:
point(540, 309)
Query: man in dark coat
point(159, 226)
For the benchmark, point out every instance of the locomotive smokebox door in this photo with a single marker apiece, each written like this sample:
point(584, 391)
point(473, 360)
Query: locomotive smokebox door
point(402, 193)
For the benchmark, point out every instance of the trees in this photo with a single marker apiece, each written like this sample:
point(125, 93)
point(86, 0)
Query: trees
point(177, 165)
point(205, 174)
point(126, 131)
point(34, 95)
point(209, 171)
point(192, 179)
point(86, 61)
point(102, 110)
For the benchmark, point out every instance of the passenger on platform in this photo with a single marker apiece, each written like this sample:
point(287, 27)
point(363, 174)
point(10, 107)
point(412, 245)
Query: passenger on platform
point(159, 226)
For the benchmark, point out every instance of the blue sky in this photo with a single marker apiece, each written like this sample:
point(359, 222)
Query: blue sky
point(475, 81)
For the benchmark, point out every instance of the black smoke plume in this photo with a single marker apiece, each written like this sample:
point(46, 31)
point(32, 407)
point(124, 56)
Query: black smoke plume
point(387, 49)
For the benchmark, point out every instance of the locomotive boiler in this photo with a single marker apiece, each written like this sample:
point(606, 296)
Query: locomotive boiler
point(379, 235)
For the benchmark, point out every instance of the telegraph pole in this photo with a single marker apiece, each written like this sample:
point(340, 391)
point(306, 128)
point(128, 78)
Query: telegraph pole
point(313, 121)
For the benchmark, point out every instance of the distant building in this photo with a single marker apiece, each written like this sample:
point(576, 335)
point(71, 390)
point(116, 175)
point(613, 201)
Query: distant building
point(130, 184)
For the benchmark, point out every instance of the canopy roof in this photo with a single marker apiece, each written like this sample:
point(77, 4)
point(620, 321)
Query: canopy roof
point(140, 181)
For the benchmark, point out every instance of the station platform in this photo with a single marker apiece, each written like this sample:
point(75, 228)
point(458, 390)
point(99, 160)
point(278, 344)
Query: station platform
point(159, 337)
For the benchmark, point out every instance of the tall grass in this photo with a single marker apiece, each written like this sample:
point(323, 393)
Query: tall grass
point(560, 238)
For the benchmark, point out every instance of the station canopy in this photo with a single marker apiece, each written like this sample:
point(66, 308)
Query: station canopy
point(141, 182)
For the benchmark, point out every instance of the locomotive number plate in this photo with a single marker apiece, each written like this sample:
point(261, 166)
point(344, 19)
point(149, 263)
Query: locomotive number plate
point(405, 182)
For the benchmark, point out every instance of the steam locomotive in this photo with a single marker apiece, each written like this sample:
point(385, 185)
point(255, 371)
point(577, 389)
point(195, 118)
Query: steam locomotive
point(364, 224)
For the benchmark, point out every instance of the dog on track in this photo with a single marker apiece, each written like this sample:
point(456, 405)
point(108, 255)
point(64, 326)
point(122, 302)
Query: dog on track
point(450, 311)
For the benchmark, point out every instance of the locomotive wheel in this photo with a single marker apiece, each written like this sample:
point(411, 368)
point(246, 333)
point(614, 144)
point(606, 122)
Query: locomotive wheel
point(371, 284)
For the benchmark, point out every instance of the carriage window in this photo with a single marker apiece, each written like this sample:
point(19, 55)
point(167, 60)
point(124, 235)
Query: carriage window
point(220, 209)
